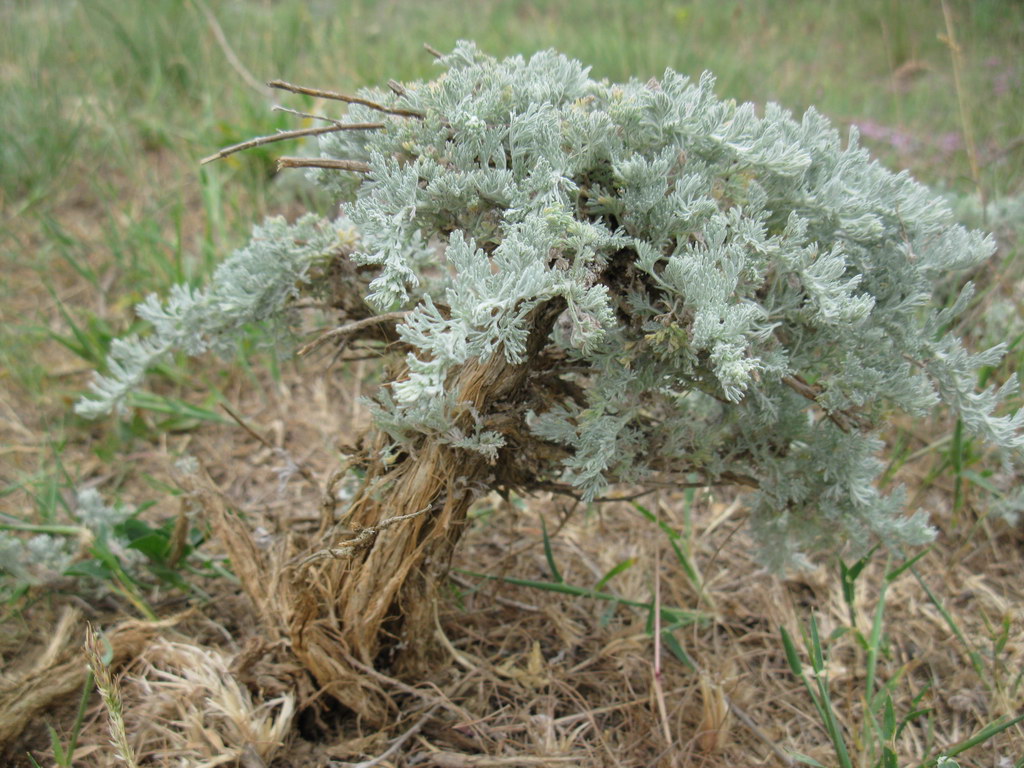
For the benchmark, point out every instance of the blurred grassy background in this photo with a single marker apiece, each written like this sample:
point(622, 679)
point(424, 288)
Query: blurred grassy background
point(94, 88)
point(94, 91)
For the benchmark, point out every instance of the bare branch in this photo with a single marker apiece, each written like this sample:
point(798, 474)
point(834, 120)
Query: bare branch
point(323, 162)
point(298, 133)
point(847, 421)
point(350, 328)
point(335, 96)
point(725, 478)
point(432, 51)
point(308, 115)
point(564, 489)
point(363, 539)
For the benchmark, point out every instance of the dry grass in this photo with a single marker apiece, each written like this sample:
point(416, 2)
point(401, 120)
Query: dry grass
point(532, 677)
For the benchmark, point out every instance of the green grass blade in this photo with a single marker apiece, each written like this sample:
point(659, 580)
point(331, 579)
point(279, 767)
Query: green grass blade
point(791, 653)
point(674, 537)
point(556, 575)
point(669, 640)
point(59, 755)
point(957, 451)
point(817, 655)
point(820, 698)
point(894, 574)
point(675, 615)
point(908, 719)
point(624, 565)
point(88, 343)
point(848, 576)
point(173, 407)
point(8, 523)
point(875, 642)
point(83, 706)
point(986, 733)
point(977, 662)
point(889, 719)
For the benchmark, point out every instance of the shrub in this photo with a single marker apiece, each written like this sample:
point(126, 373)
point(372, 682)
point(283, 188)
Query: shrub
point(597, 283)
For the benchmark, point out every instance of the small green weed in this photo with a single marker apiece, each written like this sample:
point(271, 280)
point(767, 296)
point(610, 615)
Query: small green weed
point(881, 726)
point(106, 548)
point(63, 753)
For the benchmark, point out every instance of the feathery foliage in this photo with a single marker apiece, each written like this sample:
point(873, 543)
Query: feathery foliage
point(745, 298)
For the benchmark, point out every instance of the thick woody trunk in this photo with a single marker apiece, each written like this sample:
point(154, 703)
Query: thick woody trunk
point(345, 612)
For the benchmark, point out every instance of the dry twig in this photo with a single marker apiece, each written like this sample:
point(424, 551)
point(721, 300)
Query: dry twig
point(364, 538)
point(298, 133)
point(307, 115)
point(845, 420)
point(726, 478)
point(396, 745)
point(335, 96)
point(350, 328)
point(323, 162)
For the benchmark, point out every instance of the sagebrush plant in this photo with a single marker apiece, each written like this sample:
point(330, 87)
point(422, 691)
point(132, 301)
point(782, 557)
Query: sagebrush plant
point(52, 552)
point(700, 293)
point(103, 548)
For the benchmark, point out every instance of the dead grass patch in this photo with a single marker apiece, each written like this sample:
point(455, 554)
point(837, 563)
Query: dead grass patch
point(531, 677)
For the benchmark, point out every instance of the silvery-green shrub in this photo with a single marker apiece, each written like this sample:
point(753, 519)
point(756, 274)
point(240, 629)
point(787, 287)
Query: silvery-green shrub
point(745, 297)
